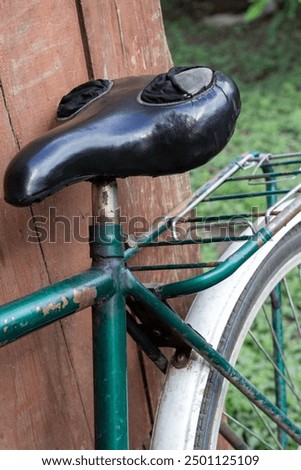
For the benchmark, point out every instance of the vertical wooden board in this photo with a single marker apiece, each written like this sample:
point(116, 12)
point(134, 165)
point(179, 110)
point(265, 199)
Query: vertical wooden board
point(139, 48)
point(41, 56)
point(139, 419)
point(145, 47)
point(125, 37)
point(21, 263)
point(39, 401)
point(41, 59)
point(38, 393)
point(105, 41)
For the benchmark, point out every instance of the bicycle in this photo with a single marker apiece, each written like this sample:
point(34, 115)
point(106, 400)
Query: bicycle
point(145, 124)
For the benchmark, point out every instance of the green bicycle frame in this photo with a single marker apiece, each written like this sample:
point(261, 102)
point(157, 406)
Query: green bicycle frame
point(105, 287)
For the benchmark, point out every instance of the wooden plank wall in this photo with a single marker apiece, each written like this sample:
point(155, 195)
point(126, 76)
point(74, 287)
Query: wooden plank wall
point(47, 48)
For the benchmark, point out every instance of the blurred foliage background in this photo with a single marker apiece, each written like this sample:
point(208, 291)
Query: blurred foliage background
point(258, 44)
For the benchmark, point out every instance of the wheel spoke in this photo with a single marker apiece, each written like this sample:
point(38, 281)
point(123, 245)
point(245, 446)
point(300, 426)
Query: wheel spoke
point(271, 361)
point(279, 348)
point(267, 426)
point(249, 431)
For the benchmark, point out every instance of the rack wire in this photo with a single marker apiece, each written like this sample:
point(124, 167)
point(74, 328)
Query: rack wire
point(255, 187)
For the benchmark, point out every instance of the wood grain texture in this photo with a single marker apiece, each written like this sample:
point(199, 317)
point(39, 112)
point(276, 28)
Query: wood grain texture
point(125, 37)
point(47, 48)
point(41, 402)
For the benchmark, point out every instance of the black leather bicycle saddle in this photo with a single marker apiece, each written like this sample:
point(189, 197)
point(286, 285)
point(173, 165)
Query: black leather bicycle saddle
point(144, 125)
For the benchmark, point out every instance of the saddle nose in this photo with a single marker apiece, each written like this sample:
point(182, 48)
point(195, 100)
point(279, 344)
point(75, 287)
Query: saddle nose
point(147, 125)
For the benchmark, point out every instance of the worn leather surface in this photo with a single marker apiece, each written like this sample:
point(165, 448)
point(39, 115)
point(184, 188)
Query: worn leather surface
point(118, 135)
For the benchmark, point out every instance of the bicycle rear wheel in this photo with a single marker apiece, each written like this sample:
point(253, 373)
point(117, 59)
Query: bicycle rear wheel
point(259, 330)
point(263, 337)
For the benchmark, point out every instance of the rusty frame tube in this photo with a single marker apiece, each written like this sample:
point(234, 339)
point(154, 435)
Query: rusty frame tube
point(22, 316)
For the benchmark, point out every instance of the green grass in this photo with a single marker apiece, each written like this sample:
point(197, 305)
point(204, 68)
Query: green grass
point(267, 69)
